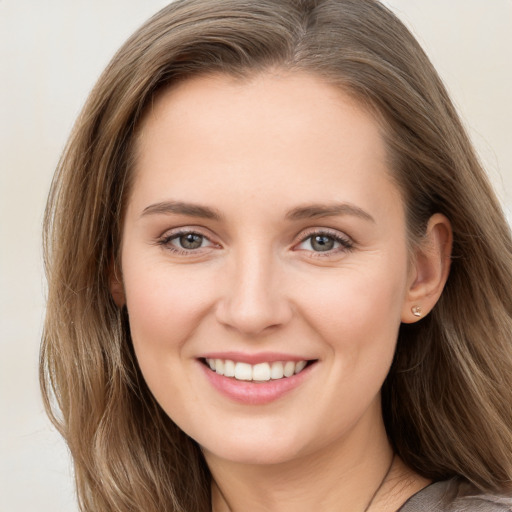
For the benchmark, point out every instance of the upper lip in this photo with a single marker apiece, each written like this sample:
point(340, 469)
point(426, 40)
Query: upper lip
point(260, 357)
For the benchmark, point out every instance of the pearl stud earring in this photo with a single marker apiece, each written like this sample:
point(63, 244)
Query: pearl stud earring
point(416, 311)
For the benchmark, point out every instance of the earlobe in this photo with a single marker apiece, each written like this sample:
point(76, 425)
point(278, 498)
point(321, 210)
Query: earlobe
point(116, 286)
point(429, 270)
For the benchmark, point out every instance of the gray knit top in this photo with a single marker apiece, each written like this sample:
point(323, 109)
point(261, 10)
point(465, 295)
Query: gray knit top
point(455, 496)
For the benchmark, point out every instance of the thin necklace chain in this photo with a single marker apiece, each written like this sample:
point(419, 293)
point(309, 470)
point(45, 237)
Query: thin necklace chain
point(372, 499)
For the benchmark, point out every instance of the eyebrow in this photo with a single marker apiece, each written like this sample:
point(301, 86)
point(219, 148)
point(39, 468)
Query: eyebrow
point(315, 211)
point(181, 208)
point(309, 211)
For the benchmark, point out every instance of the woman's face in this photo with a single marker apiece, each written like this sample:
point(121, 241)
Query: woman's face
point(264, 233)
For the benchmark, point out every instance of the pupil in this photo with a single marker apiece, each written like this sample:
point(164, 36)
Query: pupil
point(322, 243)
point(191, 241)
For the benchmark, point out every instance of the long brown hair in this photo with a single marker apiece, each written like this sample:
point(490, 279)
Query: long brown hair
point(447, 401)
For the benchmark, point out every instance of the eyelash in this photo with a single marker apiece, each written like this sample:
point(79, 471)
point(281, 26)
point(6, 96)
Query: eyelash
point(166, 240)
point(345, 244)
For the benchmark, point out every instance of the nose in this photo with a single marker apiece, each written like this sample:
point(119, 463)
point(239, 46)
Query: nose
point(254, 301)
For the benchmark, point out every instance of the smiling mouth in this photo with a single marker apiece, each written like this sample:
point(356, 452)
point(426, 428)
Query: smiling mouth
point(261, 372)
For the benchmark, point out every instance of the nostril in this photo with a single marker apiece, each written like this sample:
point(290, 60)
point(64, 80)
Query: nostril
point(251, 318)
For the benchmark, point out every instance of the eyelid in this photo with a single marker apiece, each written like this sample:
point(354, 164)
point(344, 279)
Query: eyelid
point(346, 242)
point(169, 235)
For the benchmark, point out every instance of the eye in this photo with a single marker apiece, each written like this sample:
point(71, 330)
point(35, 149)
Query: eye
point(321, 243)
point(189, 241)
point(185, 242)
point(325, 242)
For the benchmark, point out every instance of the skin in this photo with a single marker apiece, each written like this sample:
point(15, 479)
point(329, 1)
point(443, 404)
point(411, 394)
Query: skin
point(253, 151)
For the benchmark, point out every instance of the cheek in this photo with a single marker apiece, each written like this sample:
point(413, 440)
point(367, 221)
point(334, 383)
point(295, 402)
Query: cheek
point(164, 305)
point(356, 302)
point(165, 308)
point(356, 317)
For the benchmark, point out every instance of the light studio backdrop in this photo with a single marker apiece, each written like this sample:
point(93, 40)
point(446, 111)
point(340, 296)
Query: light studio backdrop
point(51, 52)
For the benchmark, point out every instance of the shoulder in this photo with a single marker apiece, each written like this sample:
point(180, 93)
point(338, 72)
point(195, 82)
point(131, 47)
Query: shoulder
point(456, 495)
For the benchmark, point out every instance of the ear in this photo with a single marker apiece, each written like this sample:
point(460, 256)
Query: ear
point(429, 269)
point(116, 285)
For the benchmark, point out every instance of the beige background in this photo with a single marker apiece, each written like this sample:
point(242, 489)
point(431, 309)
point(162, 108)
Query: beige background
point(51, 52)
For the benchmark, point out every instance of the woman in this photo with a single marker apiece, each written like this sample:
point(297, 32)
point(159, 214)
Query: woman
point(278, 276)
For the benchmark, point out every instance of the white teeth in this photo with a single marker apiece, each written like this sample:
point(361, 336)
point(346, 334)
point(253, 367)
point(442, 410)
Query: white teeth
point(229, 368)
point(219, 366)
point(259, 372)
point(277, 371)
point(289, 368)
point(243, 371)
point(300, 366)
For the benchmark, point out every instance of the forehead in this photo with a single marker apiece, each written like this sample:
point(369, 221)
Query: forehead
point(294, 99)
point(294, 130)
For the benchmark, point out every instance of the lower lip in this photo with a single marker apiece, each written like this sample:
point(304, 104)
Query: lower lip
point(255, 393)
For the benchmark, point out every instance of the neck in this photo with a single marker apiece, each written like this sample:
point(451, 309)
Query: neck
point(346, 475)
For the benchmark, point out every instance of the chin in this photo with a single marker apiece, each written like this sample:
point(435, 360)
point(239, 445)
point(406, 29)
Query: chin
point(252, 455)
point(258, 450)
